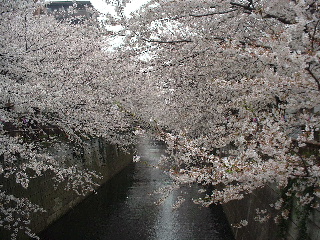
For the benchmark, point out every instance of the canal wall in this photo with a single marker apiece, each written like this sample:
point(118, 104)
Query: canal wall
point(98, 155)
point(301, 225)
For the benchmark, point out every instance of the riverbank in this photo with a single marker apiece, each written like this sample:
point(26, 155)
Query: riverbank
point(98, 155)
point(302, 223)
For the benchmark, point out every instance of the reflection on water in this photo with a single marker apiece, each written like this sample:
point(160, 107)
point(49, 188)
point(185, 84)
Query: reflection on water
point(125, 209)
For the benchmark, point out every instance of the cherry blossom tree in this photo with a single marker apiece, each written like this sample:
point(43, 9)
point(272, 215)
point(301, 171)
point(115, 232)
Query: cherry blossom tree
point(55, 91)
point(232, 87)
point(235, 93)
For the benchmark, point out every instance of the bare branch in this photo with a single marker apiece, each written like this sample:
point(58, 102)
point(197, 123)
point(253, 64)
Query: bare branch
point(213, 13)
point(204, 14)
point(313, 35)
point(313, 76)
point(25, 33)
point(253, 44)
point(167, 42)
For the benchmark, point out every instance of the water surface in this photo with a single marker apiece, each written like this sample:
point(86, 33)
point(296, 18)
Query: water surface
point(125, 209)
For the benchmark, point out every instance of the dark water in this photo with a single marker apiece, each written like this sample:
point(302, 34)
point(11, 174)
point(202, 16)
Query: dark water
point(125, 209)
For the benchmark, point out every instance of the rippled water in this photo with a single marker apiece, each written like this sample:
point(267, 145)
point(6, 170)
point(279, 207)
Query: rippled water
point(125, 209)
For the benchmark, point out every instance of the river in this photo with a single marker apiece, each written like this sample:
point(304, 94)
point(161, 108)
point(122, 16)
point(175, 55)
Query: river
point(125, 209)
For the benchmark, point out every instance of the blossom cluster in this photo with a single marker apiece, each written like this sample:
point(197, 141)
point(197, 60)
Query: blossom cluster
point(234, 93)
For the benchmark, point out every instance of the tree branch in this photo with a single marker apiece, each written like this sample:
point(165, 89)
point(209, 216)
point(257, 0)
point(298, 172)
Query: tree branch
point(205, 14)
point(213, 13)
point(313, 76)
point(252, 44)
point(25, 33)
point(313, 35)
point(167, 42)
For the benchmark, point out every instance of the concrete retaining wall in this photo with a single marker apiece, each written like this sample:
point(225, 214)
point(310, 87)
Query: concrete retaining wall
point(291, 229)
point(106, 159)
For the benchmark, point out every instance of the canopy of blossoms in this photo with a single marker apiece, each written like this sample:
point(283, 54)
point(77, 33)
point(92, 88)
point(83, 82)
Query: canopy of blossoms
point(232, 87)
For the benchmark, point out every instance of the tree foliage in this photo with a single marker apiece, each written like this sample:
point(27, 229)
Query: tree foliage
point(55, 90)
point(232, 87)
point(236, 89)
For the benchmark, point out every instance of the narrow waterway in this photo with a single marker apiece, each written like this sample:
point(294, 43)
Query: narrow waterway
point(125, 209)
